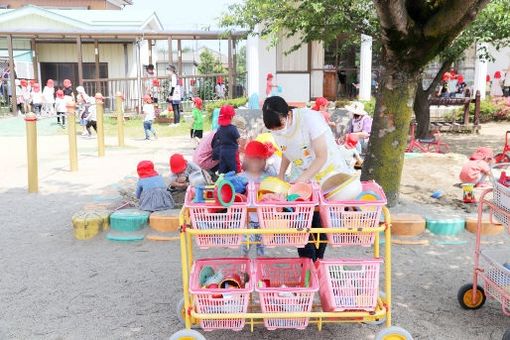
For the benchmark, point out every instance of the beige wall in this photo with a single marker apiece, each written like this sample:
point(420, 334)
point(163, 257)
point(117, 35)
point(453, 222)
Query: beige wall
point(85, 4)
point(113, 54)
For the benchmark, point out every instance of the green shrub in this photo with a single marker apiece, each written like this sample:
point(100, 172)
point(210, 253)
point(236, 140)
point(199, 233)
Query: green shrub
point(489, 111)
point(209, 107)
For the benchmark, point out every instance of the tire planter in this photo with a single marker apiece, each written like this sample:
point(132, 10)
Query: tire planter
point(488, 228)
point(446, 227)
point(407, 225)
point(88, 224)
point(128, 220)
point(164, 221)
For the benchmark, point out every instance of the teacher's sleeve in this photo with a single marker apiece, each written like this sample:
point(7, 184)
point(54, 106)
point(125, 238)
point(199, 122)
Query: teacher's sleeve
point(315, 124)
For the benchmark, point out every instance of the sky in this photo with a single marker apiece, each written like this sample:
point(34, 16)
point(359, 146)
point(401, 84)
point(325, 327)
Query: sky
point(187, 14)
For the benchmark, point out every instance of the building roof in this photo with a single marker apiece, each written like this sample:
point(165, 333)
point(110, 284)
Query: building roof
point(105, 21)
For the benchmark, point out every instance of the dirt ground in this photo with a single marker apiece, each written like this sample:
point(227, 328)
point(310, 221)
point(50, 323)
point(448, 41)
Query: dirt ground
point(55, 287)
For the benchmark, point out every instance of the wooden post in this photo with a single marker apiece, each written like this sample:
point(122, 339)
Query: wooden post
point(12, 75)
point(71, 132)
point(467, 95)
point(476, 121)
point(33, 172)
point(100, 124)
point(80, 60)
point(35, 65)
point(230, 69)
point(96, 53)
point(170, 52)
point(149, 46)
point(120, 118)
point(179, 55)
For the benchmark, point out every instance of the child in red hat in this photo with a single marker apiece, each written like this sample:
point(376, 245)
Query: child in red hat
point(151, 189)
point(227, 138)
point(180, 172)
point(60, 107)
point(149, 116)
point(321, 105)
point(478, 168)
point(255, 170)
point(197, 124)
point(349, 151)
point(269, 84)
point(36, 98)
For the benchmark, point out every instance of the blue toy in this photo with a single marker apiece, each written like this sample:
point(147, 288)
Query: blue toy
point(253, 102)
point(239, 183)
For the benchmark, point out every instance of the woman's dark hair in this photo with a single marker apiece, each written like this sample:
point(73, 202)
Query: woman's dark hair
point(274, 108)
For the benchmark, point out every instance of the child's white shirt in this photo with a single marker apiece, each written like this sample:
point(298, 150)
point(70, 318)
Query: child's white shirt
point(60, 105)
point(48, 94)
point(36, 97)
point(348, 155)
point(148, 110)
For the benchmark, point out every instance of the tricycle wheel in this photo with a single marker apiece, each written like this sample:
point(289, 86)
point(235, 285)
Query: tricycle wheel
point(180, 315)
point(465, 297)
point(394, 333)
point(187, 334)
point(506, 336)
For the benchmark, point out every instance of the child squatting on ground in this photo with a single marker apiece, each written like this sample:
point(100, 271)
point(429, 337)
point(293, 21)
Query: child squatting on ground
point(151, 189)
point(478, 167)
point(228, 141)
point(180, 172)
point(149, 116)
point(255, 170)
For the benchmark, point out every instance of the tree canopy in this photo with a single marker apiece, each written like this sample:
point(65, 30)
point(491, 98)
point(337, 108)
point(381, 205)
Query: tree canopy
point(209, 63)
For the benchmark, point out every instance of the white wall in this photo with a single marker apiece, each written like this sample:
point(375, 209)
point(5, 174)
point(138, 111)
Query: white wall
point(501, 62)
point(113, 54)
point(296, 87)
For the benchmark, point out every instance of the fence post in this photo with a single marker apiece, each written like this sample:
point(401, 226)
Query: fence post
point(33, 176)
point(71, 132)
point(120, 118)
point(100, 124)
point(476, 121)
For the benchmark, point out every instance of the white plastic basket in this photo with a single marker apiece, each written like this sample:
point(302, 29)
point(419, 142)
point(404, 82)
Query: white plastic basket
point(501, 194)
point(496, 277)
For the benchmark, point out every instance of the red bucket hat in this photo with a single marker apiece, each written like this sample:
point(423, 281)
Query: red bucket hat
point(320, 102)
point(60, 94)
point(146, 169)
point(269, 76)
point(351, 140)
point(147, 99)
point(227, 112)
point(177, 163)
point(23, 82)
point(198, 102)
point(256, 149)
point(482, 153)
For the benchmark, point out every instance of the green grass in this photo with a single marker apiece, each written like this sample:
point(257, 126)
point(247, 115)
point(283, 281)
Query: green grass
point(133, 127)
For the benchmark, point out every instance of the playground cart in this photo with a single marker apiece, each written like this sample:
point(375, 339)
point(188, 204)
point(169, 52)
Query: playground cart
point(348, 288)
point(491, 274)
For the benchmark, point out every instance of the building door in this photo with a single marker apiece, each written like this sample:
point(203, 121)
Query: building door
point(60, 71)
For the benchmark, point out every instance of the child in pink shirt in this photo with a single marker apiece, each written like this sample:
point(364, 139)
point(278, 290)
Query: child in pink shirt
point(478, 167)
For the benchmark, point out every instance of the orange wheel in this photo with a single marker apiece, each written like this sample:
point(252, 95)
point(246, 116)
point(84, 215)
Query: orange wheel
point(465, 297)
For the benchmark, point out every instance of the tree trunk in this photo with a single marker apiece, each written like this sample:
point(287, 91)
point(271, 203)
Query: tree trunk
point(421, 108)
point(388, 140)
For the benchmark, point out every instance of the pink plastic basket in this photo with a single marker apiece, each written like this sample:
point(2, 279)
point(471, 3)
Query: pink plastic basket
point(218, 300)
point(353, 215)
point(285, 215)
point(348, 284)
point(211, 216)
point(496, 277)
point(294, 273)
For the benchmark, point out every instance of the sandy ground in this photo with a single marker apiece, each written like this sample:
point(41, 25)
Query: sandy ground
point(55, 287)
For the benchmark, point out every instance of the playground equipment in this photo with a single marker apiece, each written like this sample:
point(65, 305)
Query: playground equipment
point(503, 156)
point(120, 118)
point(492, 267)
point(426, 145)
point(100, 124)
point(71, 133)
point(33, 172)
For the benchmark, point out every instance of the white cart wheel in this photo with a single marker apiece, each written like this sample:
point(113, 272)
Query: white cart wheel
point(187, 334)
point(394, 333)
point(180, 315)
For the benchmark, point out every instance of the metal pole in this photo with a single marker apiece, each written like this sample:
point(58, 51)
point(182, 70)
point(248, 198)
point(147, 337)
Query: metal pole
point(230, 69)
point(35, 66)
point(100, 126)
point(96, 53)
point(12, 75)
point(120, 118)
point(33, 177)
point(71, 133)
point(80, 60)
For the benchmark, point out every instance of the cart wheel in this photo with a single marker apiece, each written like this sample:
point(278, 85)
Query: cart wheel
point(380, 321)
point(502, 158)
point(180, 315)
point(506, 336)
point(187, 334)
point(394, 333)
point(465, 297)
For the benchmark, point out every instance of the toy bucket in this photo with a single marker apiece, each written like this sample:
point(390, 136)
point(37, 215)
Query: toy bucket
point(468, 193)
